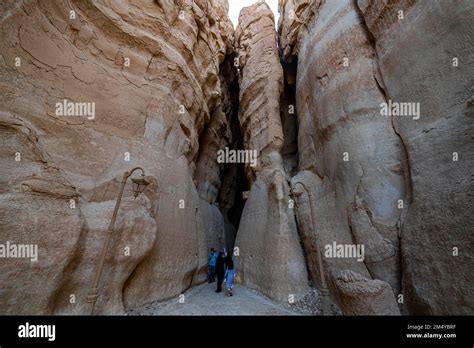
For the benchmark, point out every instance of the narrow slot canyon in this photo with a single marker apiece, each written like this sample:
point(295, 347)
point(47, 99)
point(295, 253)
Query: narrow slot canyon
point(343, 210)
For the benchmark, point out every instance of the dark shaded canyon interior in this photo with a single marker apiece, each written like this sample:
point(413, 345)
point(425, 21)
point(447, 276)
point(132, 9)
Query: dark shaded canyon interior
point(289, 118)
point(234, 181)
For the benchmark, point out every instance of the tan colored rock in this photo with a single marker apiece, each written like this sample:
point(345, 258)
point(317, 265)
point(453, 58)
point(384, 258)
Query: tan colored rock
point(352, 58)
point(381, 256)
point(416, 55)
point(160, 79)
point(261, 85)
point(133, 237)
point(362, 296)
point(152, 69)
point(217, 135)
point(35, 198)
point(350, 158)
point(295, 19)
point(325, 226)
point(270, 256)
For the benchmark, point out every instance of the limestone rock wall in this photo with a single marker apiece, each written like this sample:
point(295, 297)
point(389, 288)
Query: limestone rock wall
point(387, 182)
point(295, 19)
point(171, 83)
point(351, 158)
point(431, 43)
point(34, 200)
point(271, 258)
point(152, 69)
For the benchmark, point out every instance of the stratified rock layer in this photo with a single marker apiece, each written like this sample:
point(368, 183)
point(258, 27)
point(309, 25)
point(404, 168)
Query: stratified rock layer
point(152, 68)
point(295, 19)
point(271, 259)
point(162, 79)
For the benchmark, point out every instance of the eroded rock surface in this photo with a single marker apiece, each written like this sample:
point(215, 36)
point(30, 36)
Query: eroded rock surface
point(387, 182)
point(426, 40)
point(362, 296)
point(271, 259)
point(352, 159)
point(171, 84)
point(152, 68)
point(34, 202)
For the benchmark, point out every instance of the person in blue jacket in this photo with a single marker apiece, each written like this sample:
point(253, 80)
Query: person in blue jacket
point(229, 274)
point(211, 274)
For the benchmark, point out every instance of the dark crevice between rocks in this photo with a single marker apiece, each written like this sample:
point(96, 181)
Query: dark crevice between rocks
point(233, 179)
point(290, 156)
point(289, 152)
point(289, 119)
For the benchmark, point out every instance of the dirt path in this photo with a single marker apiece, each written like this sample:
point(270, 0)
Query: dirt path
point(203, 300)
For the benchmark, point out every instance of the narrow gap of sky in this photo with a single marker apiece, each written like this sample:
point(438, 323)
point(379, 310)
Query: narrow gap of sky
point(236, 5)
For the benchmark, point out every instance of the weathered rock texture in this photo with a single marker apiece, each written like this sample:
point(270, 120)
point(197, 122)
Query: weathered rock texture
point(271, 259)
point(168, 95)
point(153, 70)
point(362, 296)
point(352, 57)
point(295, 18)
point(34, 201)
point(415, 51)
point(354, 152)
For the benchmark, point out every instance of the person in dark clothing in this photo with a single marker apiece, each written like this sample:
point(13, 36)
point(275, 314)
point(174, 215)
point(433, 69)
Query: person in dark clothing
point(220, 271)
point(229, 275)
point(227, 260)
